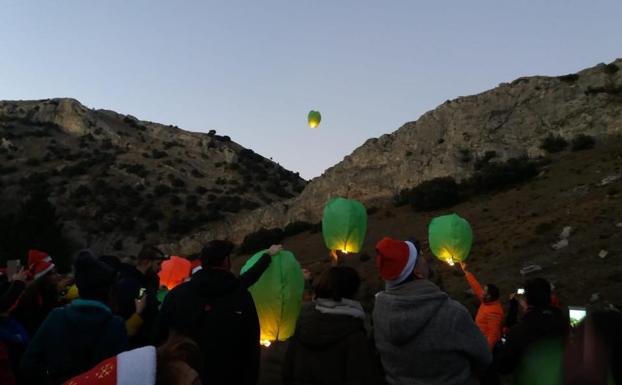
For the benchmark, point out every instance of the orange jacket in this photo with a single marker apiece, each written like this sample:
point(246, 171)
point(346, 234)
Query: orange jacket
point(489, 318)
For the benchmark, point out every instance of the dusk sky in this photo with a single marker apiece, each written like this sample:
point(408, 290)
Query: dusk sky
point(253, 69)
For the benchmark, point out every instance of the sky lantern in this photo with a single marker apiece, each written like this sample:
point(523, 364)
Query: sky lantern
point(314, 118)
point(277, 296)
point(174, 271)
point(344, 225)
point(450, 238)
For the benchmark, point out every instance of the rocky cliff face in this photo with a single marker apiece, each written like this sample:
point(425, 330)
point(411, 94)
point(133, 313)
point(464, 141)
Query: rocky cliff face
point(512, 120)
point(117, 181)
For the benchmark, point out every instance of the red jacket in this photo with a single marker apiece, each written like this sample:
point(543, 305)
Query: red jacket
point(489, 318)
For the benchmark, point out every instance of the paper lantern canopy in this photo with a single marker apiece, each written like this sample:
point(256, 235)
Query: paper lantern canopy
point(344, 225)
point(277, 296)
point(450, 238)
point(314, 118)
point(174, 271)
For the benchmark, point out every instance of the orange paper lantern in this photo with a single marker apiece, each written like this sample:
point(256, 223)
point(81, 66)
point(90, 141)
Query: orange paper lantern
point(174, 271)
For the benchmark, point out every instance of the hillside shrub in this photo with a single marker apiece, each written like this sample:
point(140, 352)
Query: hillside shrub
point(582, 142)
point(37, 225)
point(570, 78)
point(298, 227)
point(496, 176)
point(158, 154)
point(200, 190)
point(176, 182)
point(484, 160)
point(136, 169)
point(434, 194)
point(259, 240)
point(553, 143)
point(160, 190)
point(610, 69)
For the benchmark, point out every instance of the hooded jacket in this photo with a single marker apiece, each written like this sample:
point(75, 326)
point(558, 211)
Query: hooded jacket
point(328, 349)
point(219, 314)
point(424, 337)
point(489, 318)
point(72, 340)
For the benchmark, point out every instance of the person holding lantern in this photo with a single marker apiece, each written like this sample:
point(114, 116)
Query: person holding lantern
point(422, 335)
point(215, 309)
point(489, 318)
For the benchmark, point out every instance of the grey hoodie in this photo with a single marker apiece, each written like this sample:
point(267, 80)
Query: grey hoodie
point(426, 338)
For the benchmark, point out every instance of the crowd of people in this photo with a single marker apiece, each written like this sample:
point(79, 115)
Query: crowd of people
point(105, 323)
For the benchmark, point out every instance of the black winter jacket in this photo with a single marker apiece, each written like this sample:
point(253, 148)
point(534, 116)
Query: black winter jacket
point(216, 311)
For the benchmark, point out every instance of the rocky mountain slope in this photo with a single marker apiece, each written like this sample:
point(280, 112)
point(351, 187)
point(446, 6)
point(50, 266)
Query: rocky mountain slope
point(118, 181)
point(509, 121)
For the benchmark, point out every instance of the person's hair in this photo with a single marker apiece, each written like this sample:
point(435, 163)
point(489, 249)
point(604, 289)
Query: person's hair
point(150, 253)
point(93, 277)
point(175, 350)
point(493, 291)
point(338, 282)
point(538, 292)
point(113, 261)
point(215, 252)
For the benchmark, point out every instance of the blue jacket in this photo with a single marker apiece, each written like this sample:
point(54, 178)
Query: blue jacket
point(71, 340)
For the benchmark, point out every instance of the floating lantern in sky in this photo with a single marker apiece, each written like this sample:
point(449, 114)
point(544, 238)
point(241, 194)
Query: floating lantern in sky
point(174, 271)
point(344, 224)
point(450, 238)
point(314, 118)
point(277, 296)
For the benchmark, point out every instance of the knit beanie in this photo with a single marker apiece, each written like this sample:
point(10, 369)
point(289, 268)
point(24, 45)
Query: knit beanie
point(93, 277)
point(395, 259)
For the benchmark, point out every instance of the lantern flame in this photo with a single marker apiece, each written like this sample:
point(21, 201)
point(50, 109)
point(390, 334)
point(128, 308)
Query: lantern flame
point(313, 123)
point(266, 343)
point(450, 262)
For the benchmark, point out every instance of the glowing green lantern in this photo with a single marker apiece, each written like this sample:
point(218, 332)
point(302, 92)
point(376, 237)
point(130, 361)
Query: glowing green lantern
point(277, 296)
point(450, 238)
point(314, 118)
point(344, 225)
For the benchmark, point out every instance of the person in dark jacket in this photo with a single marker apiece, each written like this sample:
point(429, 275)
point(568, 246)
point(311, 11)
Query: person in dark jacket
point(216, 310)
point(41, 296)
point(136, 282)
point(422, 335)
point(330, 344)
point(74, 338)
point(541, 322)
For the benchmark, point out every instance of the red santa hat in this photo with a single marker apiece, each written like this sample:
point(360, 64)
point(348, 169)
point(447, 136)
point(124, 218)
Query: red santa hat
point(395, 259)
point(135, 367)
point(39, 263)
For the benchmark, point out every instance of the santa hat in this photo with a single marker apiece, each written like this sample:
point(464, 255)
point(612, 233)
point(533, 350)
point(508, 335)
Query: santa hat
point(195, 266)
point(39, 263)
point(135, 367)
point(395, 259)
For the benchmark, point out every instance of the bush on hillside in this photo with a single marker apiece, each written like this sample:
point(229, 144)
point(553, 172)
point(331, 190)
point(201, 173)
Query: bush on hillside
point(496, 176)
point(582, 142)
point(570, 78)
point(554, 143)
point(259, 240)
point(35, 225)
point(434, 194)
